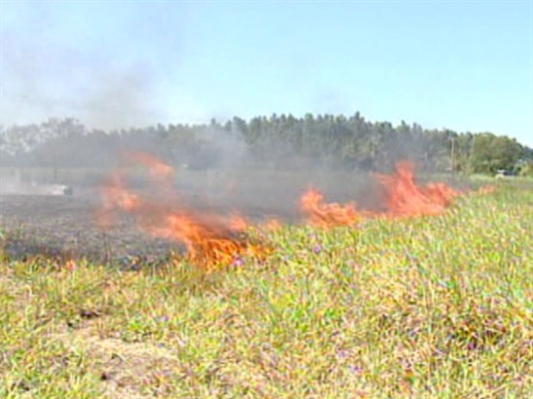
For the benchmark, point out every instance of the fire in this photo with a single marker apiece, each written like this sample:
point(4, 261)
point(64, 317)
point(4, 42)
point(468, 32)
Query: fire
point(156, 167)
point(238, 222)
point(210, 240)
point(405, 198)
point(327, 215)
point(440, 193)
point(115, 196)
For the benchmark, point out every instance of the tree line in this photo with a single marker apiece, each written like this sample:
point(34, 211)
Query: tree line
point(278, 141)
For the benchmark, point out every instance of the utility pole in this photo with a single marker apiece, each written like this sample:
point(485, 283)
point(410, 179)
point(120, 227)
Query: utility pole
point(453, 157)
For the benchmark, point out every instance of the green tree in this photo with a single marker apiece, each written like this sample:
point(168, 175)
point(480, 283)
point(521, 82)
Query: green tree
point(490, 153)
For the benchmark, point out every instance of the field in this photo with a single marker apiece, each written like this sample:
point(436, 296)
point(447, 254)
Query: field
point(65, 224)
point(420, 307)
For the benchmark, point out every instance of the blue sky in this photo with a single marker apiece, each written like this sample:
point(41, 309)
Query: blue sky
point(455, 64)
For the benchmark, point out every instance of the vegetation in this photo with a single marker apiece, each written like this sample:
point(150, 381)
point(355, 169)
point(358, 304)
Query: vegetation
point(284, 142)
point(427, 307)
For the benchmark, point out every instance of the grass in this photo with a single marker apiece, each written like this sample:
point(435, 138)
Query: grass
point(436, 307)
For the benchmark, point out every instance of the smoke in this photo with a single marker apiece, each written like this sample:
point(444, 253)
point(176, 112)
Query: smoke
point(10, 183)
point(56, 63)
point(46, 74)
point(43, 80)
point(121, 98)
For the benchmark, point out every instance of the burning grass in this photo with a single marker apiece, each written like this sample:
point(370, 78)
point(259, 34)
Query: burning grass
point(212, 241)
point(405, 198)
point(402, 195)
point(327, 215)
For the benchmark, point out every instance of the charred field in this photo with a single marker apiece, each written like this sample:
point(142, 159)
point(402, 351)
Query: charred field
point(63, 227)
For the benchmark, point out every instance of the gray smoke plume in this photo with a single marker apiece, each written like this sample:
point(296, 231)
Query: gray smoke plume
point(42, 81)
point(46, 73)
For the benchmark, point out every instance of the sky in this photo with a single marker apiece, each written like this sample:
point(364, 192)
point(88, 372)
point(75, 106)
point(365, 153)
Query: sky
point(462, 65)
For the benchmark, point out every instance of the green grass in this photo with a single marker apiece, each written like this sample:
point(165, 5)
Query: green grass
point(437, 307)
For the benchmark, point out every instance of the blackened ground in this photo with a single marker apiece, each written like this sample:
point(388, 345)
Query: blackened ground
point(65, 227)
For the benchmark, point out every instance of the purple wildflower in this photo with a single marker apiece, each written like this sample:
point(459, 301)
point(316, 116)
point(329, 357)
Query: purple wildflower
point(343, 354)
point(238, 261)
point(355, 369)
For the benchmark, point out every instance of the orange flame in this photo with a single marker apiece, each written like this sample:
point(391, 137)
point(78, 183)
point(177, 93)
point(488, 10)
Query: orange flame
point(440, 193)
point(115, 196)
point(405, 198)
point(210, 240)
point(327, 215)
point(238, 222)
point(156, 167)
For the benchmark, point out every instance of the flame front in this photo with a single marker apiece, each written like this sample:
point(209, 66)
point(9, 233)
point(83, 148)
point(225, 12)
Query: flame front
point(210, 240)
point(157, 168)
point(327, 215)
point(405, 198)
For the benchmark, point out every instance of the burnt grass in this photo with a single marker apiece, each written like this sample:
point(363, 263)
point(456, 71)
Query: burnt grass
point(64, 227)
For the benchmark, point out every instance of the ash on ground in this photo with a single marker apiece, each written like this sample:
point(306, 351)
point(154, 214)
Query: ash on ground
point(64, 227)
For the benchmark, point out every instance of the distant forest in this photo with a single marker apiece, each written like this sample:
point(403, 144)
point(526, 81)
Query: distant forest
point(275, 142)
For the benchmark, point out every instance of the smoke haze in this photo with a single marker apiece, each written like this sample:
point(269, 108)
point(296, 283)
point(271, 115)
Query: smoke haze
point(103, 81)
point(48, 73)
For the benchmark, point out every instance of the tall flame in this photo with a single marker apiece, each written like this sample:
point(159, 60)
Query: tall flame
point(405, 198)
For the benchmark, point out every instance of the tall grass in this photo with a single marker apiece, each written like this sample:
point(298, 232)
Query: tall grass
point(433, 307)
